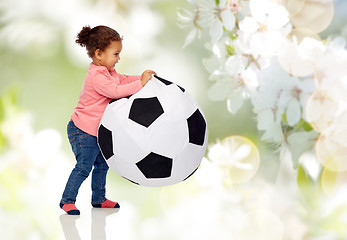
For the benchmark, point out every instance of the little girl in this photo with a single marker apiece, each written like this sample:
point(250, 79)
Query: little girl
point(101, 85)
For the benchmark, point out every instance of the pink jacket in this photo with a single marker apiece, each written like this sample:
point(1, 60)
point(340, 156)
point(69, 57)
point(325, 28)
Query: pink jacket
point(99, 88)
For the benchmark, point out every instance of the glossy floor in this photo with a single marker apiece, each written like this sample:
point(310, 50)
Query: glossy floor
point(90, 225)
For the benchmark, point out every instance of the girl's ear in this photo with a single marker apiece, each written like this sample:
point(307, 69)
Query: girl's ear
point(98, 54)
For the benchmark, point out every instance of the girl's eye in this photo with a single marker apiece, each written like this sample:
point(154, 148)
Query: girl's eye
point(117, 54)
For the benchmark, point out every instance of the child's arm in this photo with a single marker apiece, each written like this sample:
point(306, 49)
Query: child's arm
point(145, 77)
point(106, 85)
point(125, 79)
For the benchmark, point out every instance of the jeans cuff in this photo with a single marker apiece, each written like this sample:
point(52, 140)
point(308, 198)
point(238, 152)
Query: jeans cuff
point(103, 200)
point(67, 202)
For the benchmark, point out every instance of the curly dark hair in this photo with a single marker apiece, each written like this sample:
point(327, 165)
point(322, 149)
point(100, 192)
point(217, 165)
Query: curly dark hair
point(99, 37)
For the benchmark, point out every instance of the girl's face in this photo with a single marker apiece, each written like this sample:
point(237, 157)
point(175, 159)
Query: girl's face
point(110, 56)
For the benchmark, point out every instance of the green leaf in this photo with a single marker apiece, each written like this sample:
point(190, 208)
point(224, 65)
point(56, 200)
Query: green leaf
point(311, 191)
point(233, 35)
point(8, 102)
point(307, 126)
point(302, 124)
point(217, 2)
point(2, 142)
point(284, 118)
point(304, 181)
point(230, 50)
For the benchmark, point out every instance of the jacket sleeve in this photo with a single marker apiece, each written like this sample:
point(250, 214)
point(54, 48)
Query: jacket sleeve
point(108, 86)
point(125, 79)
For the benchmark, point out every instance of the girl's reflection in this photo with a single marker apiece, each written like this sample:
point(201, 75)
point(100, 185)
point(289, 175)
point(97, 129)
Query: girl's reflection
point(98, 224)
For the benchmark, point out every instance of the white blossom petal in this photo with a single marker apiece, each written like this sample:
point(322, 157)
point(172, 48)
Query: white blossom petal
point(216, 30)
point(219, 91)
point(211, 63)
point(321, 109)
point(337, 131)
point(234, 102)
point(250, 79)
point(293, 112)
point(300, 60)
point(332, 69)
point(266, 43)
point(228, 19)
point(273, 15)
point(248, 25)
point(234, 65)
point(299, 142)
point(190, 38)
point(274, 133)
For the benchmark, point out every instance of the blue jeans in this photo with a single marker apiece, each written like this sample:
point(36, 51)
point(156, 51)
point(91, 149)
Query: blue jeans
point(87, 154)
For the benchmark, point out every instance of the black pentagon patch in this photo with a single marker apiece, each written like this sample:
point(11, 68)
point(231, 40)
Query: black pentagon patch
point(113, 100)
point(145, 111)
point(166, 82)
point(155, 166)
point(196, 128)
point(105, 142)
point(182, 89)
point(116, 99)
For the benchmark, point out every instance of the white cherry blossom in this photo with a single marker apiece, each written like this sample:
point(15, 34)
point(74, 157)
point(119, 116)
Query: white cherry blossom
point(285, 75)
point(301, 59)
point(273, 15)
point(239, 7)
point(216, 17)
point(190, 19)
point(331, 70)
point(279, 94)
point(264, 29)
point(322, 108)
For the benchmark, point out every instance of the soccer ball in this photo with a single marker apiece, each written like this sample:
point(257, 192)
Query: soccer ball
point(156, 137)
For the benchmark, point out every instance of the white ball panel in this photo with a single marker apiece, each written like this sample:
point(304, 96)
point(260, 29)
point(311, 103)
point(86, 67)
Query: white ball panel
point(167, 135)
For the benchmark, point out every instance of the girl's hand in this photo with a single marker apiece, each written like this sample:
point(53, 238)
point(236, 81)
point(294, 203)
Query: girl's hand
point(146, 76)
